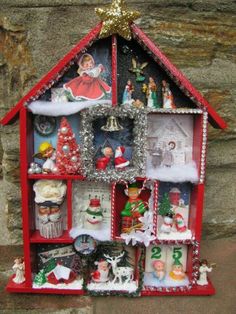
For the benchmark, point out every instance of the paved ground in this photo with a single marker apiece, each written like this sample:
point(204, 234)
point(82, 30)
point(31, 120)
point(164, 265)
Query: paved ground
point(222, 251)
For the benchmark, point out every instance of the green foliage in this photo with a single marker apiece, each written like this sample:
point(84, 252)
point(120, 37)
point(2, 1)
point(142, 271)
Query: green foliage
point(165, 206)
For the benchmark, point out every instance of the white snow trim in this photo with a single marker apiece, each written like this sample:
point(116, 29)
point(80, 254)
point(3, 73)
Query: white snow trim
point(176, 173)
point(150, 280)
point(101, 235)
point(110, 286)
point(174, 235)
point(76, 284)
point(64, 108)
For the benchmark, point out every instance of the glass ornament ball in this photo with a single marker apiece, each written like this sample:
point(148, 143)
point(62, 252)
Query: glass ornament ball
point(38, 170)
point(64, 130)
point(54, 170)
point(74, 159)
point(30, 171)
point(65, 149)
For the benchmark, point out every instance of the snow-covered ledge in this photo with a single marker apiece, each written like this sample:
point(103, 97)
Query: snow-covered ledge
point(63, 108)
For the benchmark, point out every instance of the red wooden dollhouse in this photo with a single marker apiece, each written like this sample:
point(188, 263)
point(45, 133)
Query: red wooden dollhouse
point(164, 153)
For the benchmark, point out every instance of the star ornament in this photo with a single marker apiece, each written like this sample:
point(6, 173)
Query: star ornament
point(116, 19)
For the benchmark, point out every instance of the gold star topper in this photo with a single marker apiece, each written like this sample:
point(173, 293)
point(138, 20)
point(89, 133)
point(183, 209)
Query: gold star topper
point(116, 19)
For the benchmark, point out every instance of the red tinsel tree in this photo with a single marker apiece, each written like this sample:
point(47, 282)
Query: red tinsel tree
point(68, 155)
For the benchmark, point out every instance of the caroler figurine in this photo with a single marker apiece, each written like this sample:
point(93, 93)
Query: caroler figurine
point(19, 268)
point(46, 151)
point(89, 85)
point(127, 94)
point(49, 195)
point(150, 90)
point(134, 208)
point(93, 216)
point(168, 99)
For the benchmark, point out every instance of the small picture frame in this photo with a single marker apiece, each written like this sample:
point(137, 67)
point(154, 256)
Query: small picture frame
point(126, 143)
point(85, 245)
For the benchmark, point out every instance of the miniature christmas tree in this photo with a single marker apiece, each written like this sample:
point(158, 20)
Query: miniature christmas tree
point(68, 156)
point(125, 262)
point(51, 264)
point(165, 206)
point(40, 278)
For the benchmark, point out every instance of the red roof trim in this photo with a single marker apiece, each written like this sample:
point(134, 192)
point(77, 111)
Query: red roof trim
point(52, 73)
point(217, 121)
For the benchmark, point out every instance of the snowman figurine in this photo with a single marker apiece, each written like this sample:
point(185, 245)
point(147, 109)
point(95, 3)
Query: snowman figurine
point(167, 223)
point(93, 215)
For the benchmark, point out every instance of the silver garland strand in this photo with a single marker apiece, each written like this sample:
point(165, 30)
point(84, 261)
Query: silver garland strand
point(137, 164)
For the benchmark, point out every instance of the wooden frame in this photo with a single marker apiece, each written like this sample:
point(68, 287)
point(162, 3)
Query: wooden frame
point(31, 236)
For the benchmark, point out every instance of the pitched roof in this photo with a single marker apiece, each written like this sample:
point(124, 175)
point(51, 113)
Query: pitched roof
point(158, 56)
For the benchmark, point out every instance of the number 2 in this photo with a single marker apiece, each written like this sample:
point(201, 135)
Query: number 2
point(156, 252)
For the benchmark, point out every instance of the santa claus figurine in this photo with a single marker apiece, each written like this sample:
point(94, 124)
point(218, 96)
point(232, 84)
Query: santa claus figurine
point(180, 223)
point(120, 161)
point(102, 272)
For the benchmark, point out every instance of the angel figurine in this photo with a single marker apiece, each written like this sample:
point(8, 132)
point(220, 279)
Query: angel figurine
point(168, 99)
point(137, 69)
point(19, 268)
point(48, 154)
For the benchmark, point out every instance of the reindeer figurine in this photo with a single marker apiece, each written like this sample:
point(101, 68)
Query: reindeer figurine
point(119, 272)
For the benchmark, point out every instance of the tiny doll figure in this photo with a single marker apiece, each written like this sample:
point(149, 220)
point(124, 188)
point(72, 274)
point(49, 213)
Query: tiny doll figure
point(127, 94)
point(137, 69)
point(168, 99)
point(19, 268)
point(134, 208)
point(203, 270)
point(151, 93)
point(93, 216)
point(177, 272)
point(168, 158)
point(180, 223)
point(167, 223)
point(159, 272)
point(120, 161)
point(46, 151)
point(102, 272)
point(103, 162)
point(89, 85)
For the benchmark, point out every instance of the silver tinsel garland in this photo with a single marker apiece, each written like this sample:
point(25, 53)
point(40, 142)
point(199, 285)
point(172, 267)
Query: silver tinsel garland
point(137, 164)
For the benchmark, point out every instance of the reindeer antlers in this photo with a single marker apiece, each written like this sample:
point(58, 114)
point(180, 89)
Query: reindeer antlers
point(109, 258)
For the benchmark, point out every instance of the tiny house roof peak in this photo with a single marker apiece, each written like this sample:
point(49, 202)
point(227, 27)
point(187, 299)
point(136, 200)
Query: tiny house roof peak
point(181, 81)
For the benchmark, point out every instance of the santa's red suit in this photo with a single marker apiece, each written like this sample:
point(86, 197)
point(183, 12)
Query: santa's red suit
point(120, 161)
point(179, 223)
point(100, 275)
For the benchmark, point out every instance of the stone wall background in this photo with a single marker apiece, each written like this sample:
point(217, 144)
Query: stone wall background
point(199, 37)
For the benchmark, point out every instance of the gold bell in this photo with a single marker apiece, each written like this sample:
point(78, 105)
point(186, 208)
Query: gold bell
point(112, 125)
